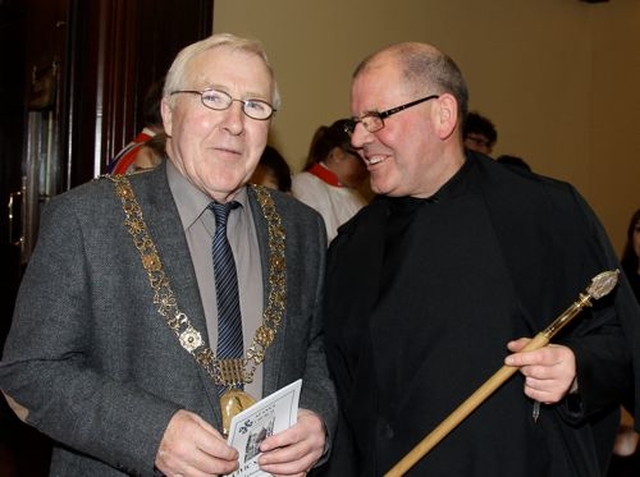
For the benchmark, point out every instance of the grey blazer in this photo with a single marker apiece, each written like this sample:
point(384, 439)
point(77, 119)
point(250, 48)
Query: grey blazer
point(96, 365)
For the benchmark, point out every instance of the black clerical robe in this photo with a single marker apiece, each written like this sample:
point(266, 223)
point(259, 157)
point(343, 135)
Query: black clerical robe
point(421, 299)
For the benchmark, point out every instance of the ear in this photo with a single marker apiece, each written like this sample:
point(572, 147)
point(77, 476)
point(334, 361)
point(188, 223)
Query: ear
point(335, 154)
point(446, 115)
point(167, 116)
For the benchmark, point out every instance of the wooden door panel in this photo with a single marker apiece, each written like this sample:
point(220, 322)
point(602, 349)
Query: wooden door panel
point(70, 97)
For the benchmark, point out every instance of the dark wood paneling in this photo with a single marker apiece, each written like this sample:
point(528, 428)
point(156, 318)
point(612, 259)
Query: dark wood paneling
point(101, 56)
point(12, 93)
point(133, 45)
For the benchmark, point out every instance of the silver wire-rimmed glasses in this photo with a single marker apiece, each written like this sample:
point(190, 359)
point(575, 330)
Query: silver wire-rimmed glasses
point(220, 100)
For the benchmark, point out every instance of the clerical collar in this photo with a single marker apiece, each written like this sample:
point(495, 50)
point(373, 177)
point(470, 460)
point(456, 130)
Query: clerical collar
point(454, 186)
point(324, 174)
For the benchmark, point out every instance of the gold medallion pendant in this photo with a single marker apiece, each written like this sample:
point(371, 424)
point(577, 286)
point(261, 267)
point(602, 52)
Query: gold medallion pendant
point(233, 402)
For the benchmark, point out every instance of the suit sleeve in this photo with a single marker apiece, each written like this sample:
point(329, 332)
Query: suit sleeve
point(49, 365)
point(606, 347)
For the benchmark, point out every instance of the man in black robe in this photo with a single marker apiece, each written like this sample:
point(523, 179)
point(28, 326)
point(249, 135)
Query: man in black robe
point(432, 285)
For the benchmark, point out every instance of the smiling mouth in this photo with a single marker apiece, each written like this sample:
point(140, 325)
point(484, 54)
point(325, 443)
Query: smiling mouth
point(372, 161)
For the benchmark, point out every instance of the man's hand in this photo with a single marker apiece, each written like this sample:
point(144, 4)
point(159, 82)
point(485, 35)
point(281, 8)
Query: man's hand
point(549, 371)
point(191, 447)
point(295, 451)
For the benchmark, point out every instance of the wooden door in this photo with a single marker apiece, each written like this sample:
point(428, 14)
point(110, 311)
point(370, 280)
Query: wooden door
point(74, 76)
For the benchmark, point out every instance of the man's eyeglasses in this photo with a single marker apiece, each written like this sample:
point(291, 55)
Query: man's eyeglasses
point(220, 100)
point(374, 121)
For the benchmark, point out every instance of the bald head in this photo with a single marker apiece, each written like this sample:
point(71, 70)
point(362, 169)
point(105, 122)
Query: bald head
point(423, 67)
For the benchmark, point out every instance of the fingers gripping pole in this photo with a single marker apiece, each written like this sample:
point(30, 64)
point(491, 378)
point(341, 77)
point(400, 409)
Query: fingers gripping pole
point(601, 285)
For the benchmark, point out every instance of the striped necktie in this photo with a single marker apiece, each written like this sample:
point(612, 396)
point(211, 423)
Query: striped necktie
point(230, 345)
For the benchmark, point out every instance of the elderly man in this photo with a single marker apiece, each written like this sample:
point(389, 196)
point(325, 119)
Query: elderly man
point(156, 303)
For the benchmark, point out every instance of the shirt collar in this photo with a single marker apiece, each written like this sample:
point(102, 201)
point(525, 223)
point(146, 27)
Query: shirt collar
point(190, 200)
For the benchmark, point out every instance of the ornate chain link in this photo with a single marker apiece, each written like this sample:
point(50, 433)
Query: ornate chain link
point(230, 372)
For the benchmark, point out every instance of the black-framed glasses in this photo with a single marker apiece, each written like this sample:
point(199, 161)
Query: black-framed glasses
point(374, 121)
point(220, 100)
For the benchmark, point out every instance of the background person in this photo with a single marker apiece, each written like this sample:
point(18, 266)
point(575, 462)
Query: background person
point(431, 285)
point(479, 133)
point(146, 150)
point(515, 161)
point(99, 356)
point(630, 259)
point(332, 177)
point(272, 171)
point(626, 457)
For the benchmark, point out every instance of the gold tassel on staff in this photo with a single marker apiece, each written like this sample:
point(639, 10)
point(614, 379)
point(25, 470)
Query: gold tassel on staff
point(601, 285)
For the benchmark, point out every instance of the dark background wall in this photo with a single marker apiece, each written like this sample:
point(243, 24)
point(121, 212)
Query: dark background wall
point(74, 74)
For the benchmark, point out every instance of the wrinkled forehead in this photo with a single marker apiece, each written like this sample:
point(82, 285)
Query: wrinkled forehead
point(228, 66)
point(377, 86)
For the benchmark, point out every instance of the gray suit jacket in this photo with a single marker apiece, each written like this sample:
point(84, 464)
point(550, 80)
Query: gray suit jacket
point(93, 361)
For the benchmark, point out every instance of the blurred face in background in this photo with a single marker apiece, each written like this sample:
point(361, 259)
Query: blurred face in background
point(265, 176)
point(478, 142)
point(635, 237)
point(347, 164)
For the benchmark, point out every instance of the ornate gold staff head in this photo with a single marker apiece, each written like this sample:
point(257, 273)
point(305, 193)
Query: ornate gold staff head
point(601, 285)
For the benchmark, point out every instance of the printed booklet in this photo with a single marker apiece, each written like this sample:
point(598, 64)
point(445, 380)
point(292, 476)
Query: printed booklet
point(248, 429)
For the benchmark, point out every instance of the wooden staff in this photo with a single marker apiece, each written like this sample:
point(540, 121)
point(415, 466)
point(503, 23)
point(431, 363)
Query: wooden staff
point(601, 285)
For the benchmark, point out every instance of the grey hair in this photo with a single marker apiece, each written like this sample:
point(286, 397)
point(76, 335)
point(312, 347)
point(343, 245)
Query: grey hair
point(176, 75)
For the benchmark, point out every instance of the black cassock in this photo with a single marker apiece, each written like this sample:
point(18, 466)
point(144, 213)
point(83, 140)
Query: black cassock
point(423, 295)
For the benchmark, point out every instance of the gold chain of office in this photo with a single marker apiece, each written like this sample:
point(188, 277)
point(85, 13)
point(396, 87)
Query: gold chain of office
point(224, 372)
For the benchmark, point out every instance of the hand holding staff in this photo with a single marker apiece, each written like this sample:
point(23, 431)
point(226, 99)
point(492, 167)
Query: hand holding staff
point(601, 285)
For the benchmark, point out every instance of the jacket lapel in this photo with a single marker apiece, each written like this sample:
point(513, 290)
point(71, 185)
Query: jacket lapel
point(167, 233)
